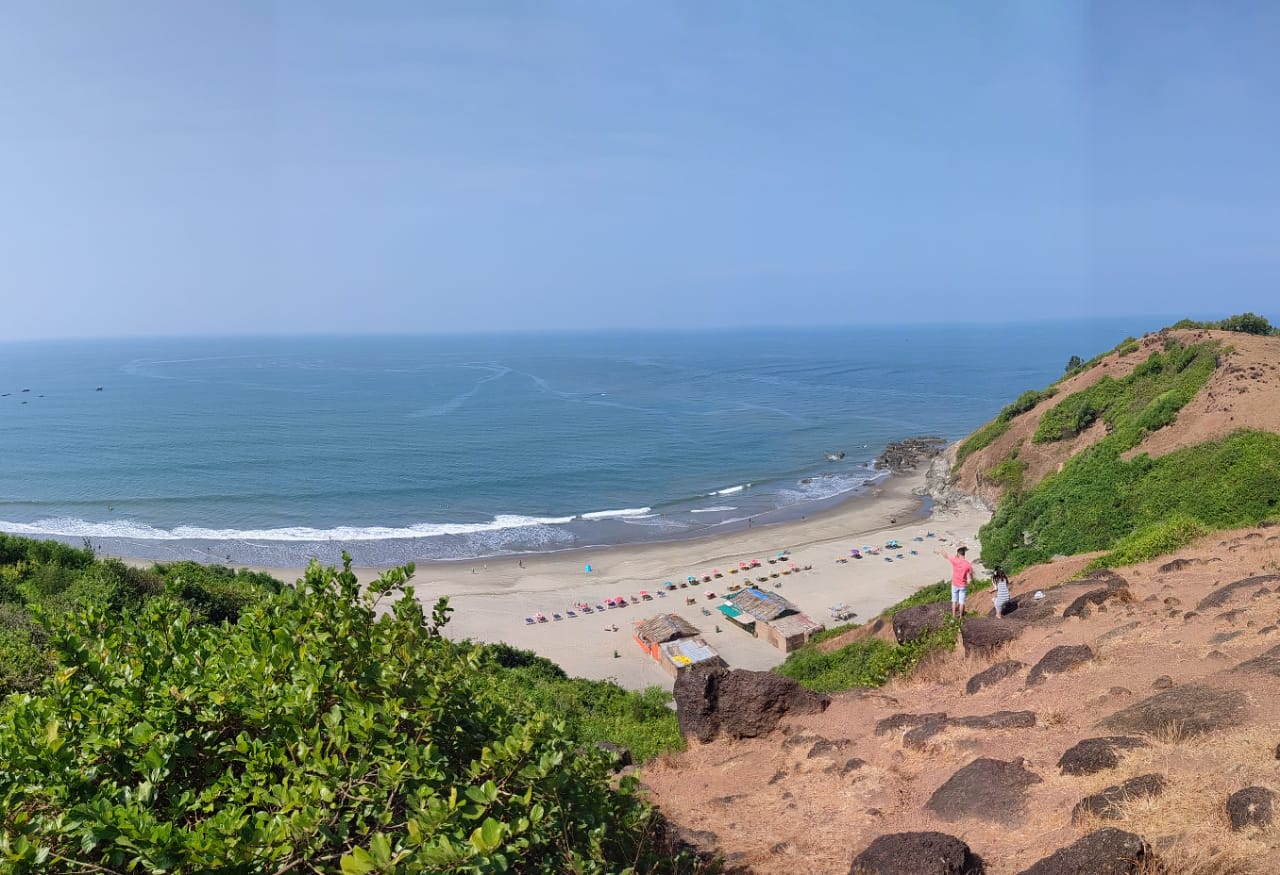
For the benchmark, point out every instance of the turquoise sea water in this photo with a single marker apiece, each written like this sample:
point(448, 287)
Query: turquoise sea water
point(271, 450)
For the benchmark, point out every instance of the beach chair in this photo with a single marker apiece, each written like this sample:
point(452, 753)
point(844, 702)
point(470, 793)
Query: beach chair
point(556, 617)
point(529, 621)
point(570, 614)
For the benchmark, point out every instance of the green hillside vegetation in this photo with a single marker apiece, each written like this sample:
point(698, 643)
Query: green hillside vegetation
point(1244, 323)
point(988, 434)
point(1138, 508)
point(1143, 401)
point(188, 718)
point(872, 662)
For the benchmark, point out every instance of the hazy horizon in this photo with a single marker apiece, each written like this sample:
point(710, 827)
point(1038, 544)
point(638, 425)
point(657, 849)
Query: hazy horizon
point(431, 169)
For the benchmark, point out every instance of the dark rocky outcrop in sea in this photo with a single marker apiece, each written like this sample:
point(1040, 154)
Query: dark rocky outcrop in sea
point(907, 455)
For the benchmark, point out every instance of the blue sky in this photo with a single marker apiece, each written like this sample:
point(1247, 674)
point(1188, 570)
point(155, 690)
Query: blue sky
point(437, 167)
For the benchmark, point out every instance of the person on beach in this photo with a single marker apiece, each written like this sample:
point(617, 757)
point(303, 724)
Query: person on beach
point(1000, 581)
point(961, 574)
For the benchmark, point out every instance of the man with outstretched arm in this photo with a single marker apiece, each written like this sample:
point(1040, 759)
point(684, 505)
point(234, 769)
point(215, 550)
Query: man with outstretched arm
point(961, 574)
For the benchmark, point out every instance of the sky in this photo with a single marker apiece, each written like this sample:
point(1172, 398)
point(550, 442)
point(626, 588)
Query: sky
point(427, 167)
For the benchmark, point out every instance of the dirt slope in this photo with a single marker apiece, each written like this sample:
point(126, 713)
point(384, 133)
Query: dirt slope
point(799, 801)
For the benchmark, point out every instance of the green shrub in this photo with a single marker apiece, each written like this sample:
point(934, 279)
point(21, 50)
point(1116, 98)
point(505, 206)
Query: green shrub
point(987, 434)
point(1155, 539)
point(868, 663)
point(24, 657)
point(314, 734)
point(1008, 474)
point(1099, 499)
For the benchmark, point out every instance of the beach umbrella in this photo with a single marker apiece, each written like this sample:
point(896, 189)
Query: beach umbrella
point(588, 569)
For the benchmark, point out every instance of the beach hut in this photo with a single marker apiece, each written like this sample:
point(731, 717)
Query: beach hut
point(776, 620)
point(674, 643)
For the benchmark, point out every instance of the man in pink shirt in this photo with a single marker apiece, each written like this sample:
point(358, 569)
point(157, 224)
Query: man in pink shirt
point(961, 574)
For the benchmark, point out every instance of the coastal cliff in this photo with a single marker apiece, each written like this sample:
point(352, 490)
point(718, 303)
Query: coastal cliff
point(1121, 717)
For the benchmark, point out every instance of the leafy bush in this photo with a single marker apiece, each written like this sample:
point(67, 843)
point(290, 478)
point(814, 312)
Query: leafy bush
point(1156, 539)
point(592, 711)
point(313, 734)
point(869, 663)
point(1099, 499)
point(1007, 474)
point(24, 658)
point(216, 592)
point(1245, 323)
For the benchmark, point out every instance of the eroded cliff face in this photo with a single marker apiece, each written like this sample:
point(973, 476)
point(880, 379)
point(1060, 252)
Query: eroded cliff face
point(1139, 700)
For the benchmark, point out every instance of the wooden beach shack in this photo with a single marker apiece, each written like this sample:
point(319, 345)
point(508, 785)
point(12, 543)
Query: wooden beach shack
point(770, 617)
point(675, 643)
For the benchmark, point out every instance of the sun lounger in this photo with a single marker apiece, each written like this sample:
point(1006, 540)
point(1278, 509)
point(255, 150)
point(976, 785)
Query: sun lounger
point(529, 621)
point(570, 614)
point(556, 617)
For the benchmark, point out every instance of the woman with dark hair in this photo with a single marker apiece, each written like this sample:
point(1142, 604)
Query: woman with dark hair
point(1000, 581)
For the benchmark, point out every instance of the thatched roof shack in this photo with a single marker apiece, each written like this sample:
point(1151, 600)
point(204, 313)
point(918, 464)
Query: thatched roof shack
point(778, 621)
point(664, 627)
point(674, 643)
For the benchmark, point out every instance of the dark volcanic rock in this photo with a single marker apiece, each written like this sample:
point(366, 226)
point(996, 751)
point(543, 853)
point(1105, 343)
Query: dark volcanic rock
point(1108, 851)
point(905, 455)
point(1109, 804)
point(993, 675)
point(1116, 588)
point(1164, 682)
point(1267, 663)
point(1252, 806)
point(918, 737)
point(986, 789)
point(984, 635)
point(998, 720)
point(1118, 632)
point(1060, 659)
point(1026, 608)
point(910, 623)
point(1222, 594)
point(1187, 710)
point(1093, 755)
point(739, 703)
point(917, 853)
point(826, 747)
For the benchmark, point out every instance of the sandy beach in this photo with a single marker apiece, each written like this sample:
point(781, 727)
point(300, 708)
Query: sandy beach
point(492, 598)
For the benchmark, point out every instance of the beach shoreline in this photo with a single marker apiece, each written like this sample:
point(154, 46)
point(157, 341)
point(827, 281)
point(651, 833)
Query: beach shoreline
point(491, 598)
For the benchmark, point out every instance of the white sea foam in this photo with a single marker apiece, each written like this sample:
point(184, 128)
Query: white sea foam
point(731, 490)
point(69, 527)
point(609, 514)
point(712, 509)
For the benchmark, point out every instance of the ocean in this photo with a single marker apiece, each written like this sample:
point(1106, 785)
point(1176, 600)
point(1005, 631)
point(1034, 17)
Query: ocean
point(271, 450)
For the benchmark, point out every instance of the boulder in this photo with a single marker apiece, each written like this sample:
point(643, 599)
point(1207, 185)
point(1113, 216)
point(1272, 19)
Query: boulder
point(1108, 851)
point(993, 675)
point(987, 789)
point(917, 738)
point(1164, 682)
point(1059, 660)
point(1093, 755)
point(1115, 588)
point(1252, 806)
point(998, 720)
point(1223, 594)
point(1026, 608)
point(739, 704)
point(986, 635)
point(911, 623)
point(1188, 710)
point(1109, 804)
point(917, 853)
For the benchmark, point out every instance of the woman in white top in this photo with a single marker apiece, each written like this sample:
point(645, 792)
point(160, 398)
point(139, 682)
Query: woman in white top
point(1000, 581)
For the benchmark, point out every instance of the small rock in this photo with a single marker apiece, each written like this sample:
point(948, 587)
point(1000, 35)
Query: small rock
point(1189, 615)
point(899, 722)
point(621, 755)
point(993, 675)
point(1093, 755)
point(985, 635)
point(852, 765)
point(1120, 691)
point(1108, 851)
point(1163, 682)
point(1109, 804)
point(1224, 637)
point(1192, 708)
point(986, 789)
point(917, 853)
point(1252, 806)
point(1060, 659)
point(1173, 601)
